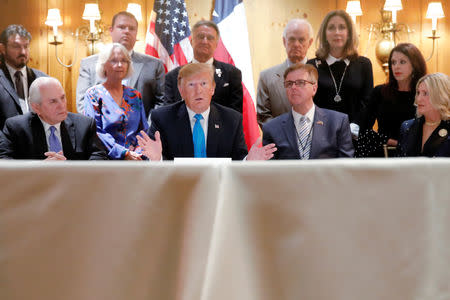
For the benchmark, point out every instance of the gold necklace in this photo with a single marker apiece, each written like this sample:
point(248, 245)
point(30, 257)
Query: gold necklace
point(432, 123)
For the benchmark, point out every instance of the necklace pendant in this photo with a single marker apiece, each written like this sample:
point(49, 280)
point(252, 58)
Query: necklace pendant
point(337, 98)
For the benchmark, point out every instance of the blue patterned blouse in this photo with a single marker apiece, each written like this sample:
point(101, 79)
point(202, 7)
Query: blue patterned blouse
point(117, 126)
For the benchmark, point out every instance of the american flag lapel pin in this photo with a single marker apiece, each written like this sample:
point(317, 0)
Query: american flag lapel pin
point(319, 123)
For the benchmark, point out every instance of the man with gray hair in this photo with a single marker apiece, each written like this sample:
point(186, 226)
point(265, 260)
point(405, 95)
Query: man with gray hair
point(48, 131)
point(227, 78)
point(271, 95)
point(15, 76)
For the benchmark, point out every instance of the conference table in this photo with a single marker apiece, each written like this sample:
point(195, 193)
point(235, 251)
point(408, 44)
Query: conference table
point(338, 229)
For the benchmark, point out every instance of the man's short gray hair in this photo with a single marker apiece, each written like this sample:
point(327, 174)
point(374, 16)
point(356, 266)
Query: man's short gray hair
point(104, 56)
point(297, 21)
point(34, 95)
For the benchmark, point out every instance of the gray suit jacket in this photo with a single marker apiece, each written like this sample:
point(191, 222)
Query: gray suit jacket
point(271, 97)
point(148, 79)
point(9, 100)
point(331, 137)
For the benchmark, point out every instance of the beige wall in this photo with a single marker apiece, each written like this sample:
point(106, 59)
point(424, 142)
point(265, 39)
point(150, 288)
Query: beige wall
point(266, 20)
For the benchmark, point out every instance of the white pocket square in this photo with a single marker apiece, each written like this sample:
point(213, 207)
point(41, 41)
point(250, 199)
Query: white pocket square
point(226, 84)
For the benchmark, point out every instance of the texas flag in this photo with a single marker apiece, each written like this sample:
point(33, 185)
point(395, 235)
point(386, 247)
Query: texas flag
point(234, 48)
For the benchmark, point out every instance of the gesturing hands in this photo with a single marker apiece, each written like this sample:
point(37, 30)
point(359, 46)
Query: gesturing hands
point(151, 148)
point(261, 153)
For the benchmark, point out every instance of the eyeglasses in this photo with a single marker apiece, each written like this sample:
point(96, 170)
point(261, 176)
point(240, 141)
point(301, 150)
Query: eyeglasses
point(300, 83)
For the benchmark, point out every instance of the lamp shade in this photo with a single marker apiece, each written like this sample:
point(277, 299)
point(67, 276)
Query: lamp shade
point(435, 10)
point(354, 8)
point(91, 12)
point(393, 5)
point(53, 17)
point(135, 9)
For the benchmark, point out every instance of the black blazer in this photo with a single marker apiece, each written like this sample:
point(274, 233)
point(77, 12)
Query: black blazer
point(225, 132)
point(9, 100)
point(23, 137)
point(228, 91)
point(410, 141)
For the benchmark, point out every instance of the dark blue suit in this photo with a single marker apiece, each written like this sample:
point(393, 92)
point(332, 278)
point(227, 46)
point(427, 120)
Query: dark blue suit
point(331, 137)
point(225, 132)
point(410, 141)
point(228, 90)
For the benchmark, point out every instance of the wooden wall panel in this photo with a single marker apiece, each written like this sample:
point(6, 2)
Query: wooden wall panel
point(266, 20)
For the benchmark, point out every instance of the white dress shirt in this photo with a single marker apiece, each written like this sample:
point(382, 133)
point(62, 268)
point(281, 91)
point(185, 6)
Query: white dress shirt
point(47, 132)
point(309, 121)
point(12, 71)
point(203, 122)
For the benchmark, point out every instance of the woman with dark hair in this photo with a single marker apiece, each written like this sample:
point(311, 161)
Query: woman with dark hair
point(428, 134)
point(345, 78)
point(392, 103)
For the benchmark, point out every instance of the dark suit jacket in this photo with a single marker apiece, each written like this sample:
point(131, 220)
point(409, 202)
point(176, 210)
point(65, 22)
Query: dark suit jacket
point(228, 91)
point(225, 132)
point(147, 78)
point(23, 137)
point(410, 141)
point(9, 101)
point(331, 137)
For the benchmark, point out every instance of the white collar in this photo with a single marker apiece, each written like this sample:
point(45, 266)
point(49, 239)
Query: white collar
point(209, 61)
point(331, 60)
point(192, 113)
point(13, 70)
point(290, 63)
point(47, 126)
point(309, 115)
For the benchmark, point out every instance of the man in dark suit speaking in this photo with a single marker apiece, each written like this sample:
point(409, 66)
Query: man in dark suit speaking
point(307, 132)
point(197, 127)
point(50, 132)
point(228, 79)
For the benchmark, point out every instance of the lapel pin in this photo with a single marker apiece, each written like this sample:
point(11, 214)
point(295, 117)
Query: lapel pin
point(216, 125)
point(443, 132)
point(319, 123)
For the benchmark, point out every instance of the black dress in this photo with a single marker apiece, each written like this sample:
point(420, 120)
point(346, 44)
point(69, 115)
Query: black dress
point(389, 109)
point(357, 85)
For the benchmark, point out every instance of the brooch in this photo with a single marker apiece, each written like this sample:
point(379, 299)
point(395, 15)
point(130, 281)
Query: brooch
point(443, 132)
point(219, 72)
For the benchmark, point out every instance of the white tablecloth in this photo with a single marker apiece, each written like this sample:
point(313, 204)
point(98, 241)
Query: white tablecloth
point(336, 229)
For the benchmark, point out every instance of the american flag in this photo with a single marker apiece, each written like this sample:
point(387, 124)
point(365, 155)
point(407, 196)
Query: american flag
point(234, 48)
point(168, 33)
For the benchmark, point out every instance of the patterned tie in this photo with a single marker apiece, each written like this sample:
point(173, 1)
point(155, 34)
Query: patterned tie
point(54, 143)
point(19, 84)
point(303, 136)
point(199, 138)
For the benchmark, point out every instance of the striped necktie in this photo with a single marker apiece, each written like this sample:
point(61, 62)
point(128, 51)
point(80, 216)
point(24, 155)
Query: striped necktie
point(303, 136)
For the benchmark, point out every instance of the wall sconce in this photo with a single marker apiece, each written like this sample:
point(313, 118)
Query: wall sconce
point(354, 9)
point(388, 28)
point(135, 9)
point(434, 12)
point(91, 34)
point(393, 6)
